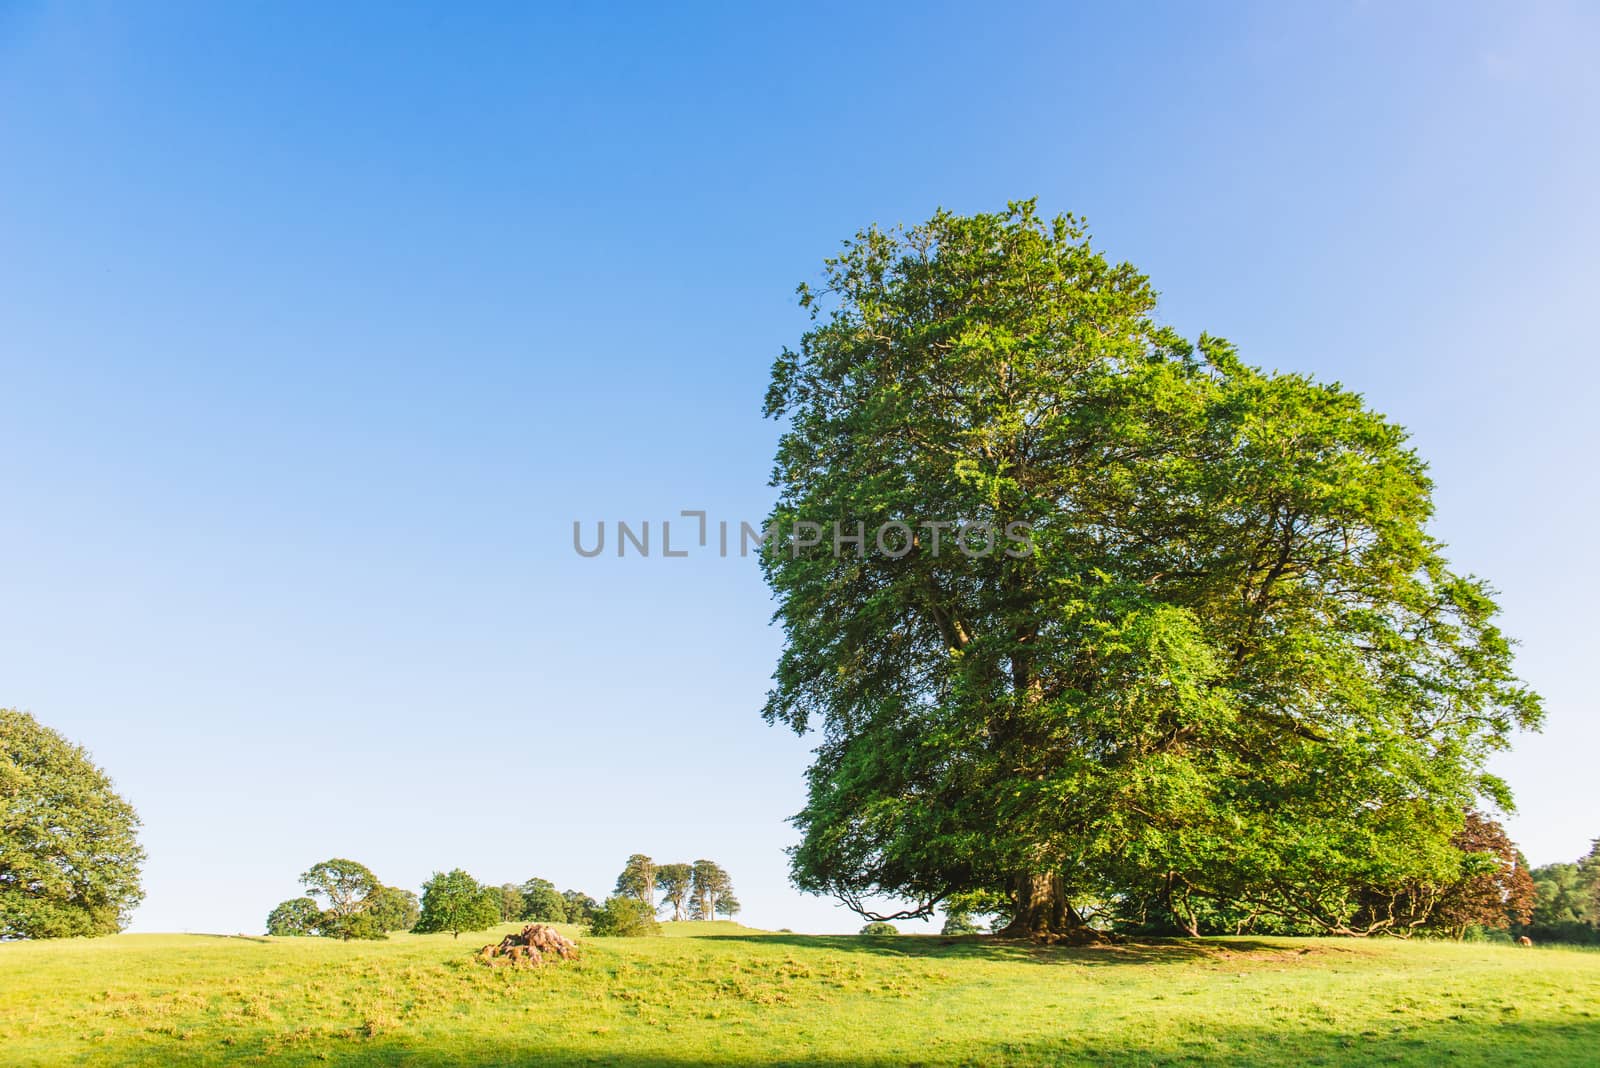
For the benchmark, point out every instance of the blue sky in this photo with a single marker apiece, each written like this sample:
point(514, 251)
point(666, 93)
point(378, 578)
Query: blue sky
point(320, 324)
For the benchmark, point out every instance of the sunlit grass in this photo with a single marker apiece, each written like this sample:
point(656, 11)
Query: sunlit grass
point(719, 993)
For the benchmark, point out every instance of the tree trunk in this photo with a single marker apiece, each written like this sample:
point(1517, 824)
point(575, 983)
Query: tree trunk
point(1043, 912)
point(1040, 906)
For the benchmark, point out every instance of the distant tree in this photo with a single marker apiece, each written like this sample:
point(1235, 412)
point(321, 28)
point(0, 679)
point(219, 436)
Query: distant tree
point(344, 887)
point(580, 906)
point(511, 904)
point(959, 923)
point(1589, 876)
point(393, 909)
point(296, 917)
point(713, 891)
point(1560, 896)
point(69, 852)
point(1567, 901)
point(542, 903)
point(454, 901)
point(624, 916)
point(638, 880)
point(877, 928)
point(675, 881)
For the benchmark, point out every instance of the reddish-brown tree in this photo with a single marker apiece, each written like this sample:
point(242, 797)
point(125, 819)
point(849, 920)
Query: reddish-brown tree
point(1496, 889)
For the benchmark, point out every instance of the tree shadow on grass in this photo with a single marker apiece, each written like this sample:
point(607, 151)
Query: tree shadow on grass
point(990, 947)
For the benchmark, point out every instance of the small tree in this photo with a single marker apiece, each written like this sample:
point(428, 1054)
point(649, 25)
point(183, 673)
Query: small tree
point(542, 903)
point(344, 886)
point(454, 901)
point(624, 917)
point(69, 852)
point(298, 916)
point(675, 881)
point(959, 923)
point(878, 928)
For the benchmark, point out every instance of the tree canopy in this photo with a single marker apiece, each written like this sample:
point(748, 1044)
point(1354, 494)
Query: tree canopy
point(69, 850)
point(1225, 662)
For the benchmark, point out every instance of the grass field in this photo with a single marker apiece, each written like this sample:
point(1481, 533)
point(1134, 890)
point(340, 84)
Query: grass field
point(722, 994)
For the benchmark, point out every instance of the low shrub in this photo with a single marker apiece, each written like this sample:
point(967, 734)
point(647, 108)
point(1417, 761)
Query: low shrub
point(624, 917)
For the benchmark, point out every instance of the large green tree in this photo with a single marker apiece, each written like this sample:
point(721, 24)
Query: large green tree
point(69, 851)
point(1126, 615)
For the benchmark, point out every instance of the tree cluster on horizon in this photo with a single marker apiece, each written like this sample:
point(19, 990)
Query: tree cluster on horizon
point(351, 903)
point(699, 891)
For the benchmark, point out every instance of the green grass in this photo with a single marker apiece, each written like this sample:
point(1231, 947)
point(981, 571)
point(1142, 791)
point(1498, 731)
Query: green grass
point(721, 994)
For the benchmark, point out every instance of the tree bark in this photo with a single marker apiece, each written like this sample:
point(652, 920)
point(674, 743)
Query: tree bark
point(1042, 910)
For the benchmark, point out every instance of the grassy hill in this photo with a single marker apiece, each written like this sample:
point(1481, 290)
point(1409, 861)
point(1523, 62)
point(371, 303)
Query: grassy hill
point(719, 993)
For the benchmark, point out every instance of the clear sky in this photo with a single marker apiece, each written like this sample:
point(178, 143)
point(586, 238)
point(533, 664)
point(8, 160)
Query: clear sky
point(320, 324)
